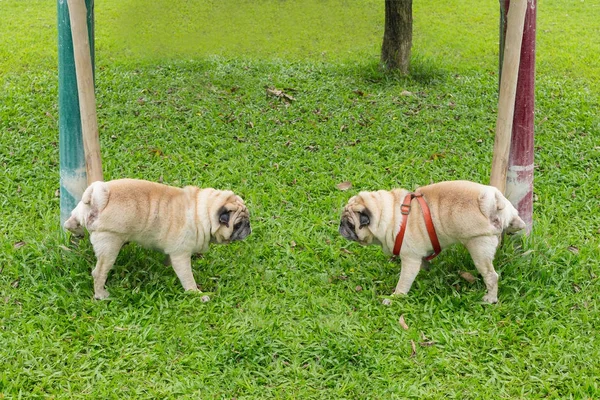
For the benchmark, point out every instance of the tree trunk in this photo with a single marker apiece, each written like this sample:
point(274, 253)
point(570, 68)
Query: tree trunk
point(397, 38)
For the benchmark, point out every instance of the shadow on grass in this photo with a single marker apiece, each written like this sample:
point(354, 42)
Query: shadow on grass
point(423, 71)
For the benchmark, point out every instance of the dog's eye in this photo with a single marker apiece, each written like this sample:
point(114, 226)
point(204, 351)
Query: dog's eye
point(364, 219)
point(224, 218)
point(237, 226)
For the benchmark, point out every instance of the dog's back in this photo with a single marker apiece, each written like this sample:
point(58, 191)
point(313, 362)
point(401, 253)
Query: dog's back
point(459, 201)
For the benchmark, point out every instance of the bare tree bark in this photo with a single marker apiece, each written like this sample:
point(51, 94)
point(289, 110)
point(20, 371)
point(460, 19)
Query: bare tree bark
point(397, 38)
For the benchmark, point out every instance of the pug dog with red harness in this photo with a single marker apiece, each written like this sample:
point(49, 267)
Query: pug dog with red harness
point(417, 226)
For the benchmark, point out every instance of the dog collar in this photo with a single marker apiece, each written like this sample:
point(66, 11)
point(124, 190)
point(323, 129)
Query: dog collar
point(405, 210)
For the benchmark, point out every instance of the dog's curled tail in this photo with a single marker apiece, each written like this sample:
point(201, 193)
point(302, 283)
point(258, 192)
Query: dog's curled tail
point(499, 211)
point(96, 196)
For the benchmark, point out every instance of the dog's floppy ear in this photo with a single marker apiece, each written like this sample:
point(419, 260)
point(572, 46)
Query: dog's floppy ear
point(364, 217)
point(224, 215)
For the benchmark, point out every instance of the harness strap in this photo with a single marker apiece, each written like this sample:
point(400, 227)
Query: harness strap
point(405, 210)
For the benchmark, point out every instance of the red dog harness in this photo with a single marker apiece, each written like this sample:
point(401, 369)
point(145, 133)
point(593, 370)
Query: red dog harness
point(405, 210)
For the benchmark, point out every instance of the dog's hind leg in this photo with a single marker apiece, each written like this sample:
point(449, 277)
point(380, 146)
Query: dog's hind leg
point(182, 264)
point(408, 273)
point(106, 247)
point(482, 250)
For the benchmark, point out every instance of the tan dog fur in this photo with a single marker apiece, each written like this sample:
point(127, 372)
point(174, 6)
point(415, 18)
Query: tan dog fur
point(178, 222)
point(462, 212)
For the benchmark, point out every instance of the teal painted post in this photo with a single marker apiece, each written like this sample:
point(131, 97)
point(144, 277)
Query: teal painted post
point(73, 179)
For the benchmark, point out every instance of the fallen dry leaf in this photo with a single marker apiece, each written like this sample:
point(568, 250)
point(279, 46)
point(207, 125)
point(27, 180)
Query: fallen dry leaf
point(20, 244)
point(467, 276)
point(358, 288)
point(427, 344)
point(65, 248)
point(573, 249)
point(386, 302)
point(292, 244)
point(436, 156)
point(15, 283)
point(344, 185)
point(343, 250)
point(280, 94)
point(406, 93)
point(156, 151)
point(414, 348)
point(274, 92)
point(403, 323)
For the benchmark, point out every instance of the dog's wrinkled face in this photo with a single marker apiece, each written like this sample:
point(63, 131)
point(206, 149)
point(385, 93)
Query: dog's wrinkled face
point(356, 221)
point(233, 221)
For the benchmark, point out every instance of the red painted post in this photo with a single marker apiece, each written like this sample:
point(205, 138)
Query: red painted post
point(519, 179)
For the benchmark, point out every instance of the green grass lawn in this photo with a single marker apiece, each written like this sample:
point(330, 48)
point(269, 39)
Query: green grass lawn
point(296, 310)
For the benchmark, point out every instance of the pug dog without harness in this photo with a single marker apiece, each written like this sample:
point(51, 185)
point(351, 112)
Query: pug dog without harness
point(179, 222)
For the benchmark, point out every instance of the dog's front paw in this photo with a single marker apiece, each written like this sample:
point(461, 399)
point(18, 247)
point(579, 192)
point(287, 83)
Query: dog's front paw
point(488, 298)
point(101, 294)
